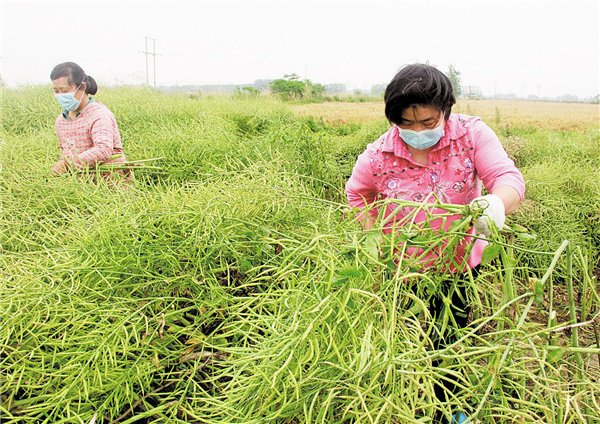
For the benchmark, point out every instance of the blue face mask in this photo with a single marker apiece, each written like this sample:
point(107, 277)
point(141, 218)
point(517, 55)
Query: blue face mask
point(68, 100)
point(422, 140)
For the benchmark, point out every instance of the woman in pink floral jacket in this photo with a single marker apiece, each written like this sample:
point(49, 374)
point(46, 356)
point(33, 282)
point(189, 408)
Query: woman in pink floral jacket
point(428, 150)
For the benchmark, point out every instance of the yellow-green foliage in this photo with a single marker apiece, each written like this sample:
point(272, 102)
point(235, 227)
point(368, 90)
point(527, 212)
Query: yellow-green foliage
point(579, 117)
point(232, 285)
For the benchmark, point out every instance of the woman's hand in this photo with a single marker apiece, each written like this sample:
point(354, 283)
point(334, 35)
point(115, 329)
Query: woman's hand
point(59, 167)
point(368, 222)
point(493, 213)
point(496, 206)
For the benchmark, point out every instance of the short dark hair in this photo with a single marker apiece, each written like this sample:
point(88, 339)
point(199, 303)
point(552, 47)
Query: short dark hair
point(75, 76)
point(418, 84)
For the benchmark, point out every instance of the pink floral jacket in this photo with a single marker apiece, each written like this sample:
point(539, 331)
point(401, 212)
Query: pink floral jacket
point(468, 154)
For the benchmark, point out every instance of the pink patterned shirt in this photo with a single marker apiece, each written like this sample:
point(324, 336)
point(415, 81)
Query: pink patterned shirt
point(468, 154)
point(91, 138)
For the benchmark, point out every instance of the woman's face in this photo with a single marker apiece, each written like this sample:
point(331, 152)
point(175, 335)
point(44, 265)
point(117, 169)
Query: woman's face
point(61, 85)
point(419, 118)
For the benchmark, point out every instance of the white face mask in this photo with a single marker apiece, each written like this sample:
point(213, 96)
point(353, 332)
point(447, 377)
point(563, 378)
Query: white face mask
point(422, 140)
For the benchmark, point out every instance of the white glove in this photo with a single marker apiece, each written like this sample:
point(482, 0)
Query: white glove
point(493, 212)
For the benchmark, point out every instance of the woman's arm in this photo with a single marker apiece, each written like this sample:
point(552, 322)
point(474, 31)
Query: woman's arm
point(498, 172)
point(361, 191)
point(102, 133)
point(509, 197)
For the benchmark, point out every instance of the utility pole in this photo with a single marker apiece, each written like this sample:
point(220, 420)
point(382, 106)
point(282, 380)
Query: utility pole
point(146, 51)
point(154, 54)
point(154, 57)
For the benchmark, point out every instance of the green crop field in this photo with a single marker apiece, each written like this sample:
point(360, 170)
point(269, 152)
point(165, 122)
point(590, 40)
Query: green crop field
point(231, 285)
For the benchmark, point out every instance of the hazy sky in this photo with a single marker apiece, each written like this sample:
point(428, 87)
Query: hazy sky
point(522, 47)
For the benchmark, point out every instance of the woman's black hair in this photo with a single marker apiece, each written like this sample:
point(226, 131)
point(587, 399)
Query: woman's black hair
point(418, 84)
point(75, 76)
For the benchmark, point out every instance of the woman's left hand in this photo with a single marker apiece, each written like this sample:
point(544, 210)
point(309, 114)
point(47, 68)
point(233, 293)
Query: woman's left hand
point(59, 167)
point(493, 213)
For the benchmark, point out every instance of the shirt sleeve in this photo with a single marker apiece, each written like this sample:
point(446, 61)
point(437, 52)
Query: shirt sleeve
point(101, 131)
point(361, 190)
point(492, 163)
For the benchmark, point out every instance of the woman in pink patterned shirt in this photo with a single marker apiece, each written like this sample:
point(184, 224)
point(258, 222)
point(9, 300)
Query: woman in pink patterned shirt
point(429, 150)
point(87, 130)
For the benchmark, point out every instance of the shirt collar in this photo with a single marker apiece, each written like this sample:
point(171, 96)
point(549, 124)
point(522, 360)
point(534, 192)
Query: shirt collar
point(65, 112)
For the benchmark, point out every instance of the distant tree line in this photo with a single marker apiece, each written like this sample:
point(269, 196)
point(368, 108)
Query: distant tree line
point(291, 86)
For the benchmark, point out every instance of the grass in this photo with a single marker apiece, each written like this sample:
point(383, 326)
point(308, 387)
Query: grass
point(233, 286)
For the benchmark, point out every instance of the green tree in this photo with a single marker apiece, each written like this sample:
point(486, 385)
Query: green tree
point(315, 90)
point(454, 77)
point(288, 86)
